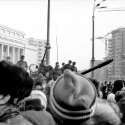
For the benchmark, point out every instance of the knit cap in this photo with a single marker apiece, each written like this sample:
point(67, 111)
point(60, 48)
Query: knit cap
point(73, 97)
point(37, 94)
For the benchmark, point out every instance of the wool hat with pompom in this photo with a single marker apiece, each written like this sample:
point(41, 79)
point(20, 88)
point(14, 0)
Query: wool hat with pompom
point(37, 94)
point(73, 97)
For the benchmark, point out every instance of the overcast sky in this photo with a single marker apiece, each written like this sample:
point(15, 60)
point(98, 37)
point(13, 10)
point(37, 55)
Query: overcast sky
point(70, 22)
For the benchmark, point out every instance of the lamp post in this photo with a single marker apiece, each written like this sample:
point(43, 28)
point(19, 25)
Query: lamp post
point(48, 33)
point(95, 6)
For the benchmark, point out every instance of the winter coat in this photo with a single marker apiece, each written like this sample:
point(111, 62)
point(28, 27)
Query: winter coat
point(38, 117)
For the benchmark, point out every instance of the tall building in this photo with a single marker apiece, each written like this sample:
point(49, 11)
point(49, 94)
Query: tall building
point(116, 50)
point(40, 44)
point(41, 50)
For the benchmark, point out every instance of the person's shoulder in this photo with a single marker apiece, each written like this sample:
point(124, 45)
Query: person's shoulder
point(111, 95)
point(38, 117)
point(18, 120)
point(19, 61)
point(25, 61)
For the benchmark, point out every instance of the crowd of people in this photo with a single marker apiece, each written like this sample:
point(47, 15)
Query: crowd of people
point(58, 96)
point(43, 73)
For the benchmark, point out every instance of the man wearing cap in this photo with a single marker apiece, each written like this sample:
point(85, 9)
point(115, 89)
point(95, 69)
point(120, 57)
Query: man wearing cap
point(21, 63)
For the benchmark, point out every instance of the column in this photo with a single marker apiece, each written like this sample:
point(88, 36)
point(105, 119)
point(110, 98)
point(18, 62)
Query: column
point(2, 52)
point(16, 54)
point(13, 55)
point(18, 50)
point(8, 53)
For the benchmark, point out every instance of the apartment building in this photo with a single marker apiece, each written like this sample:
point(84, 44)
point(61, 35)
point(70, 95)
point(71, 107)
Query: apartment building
point(116, 50)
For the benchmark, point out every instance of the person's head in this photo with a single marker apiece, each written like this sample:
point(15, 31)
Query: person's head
point(8, 57)
point(97, 85)
point(74, 63)
point(22, 57)
point(118, 85)
point(15, 82)
point(69, 62)
point(72, 98)
point(63, 64)
point(57, 64)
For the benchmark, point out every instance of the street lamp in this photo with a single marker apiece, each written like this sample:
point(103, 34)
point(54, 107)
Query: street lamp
point(48, 36)
point(95, 6)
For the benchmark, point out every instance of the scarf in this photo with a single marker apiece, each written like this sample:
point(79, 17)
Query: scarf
point(7, 112)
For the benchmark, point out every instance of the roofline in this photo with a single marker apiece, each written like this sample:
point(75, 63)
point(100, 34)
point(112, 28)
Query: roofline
point(12, 29)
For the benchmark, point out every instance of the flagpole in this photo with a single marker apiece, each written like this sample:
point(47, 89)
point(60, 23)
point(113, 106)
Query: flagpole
point(57, 48)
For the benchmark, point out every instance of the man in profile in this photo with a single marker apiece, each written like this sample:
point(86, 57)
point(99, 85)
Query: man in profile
point(21, 63)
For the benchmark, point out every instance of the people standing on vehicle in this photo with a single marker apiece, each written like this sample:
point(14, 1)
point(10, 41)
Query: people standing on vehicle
point(68, 66)
point(73, 67)
point(21, 63)
point(63, 67)
point(56, 72)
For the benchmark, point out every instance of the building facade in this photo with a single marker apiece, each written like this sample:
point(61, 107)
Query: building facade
point(98, 73)
point(116, 50)
point(14, 44)
point(40, 46)
point(41, 50)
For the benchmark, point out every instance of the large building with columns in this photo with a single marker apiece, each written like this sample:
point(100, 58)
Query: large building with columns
point(14, 44)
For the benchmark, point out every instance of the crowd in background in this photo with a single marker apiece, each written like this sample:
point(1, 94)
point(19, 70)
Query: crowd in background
point(58, 96)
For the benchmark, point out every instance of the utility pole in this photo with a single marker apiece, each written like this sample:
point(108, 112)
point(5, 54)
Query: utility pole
point(48, 36)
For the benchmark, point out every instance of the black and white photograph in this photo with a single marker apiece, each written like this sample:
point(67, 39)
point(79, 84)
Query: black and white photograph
point(62, 62)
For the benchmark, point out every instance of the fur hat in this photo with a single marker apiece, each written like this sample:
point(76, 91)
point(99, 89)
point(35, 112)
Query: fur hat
point(107, 113)
point(36, 94)
point(73, 97)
